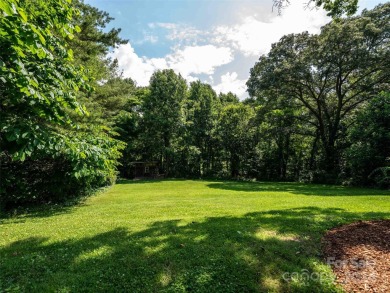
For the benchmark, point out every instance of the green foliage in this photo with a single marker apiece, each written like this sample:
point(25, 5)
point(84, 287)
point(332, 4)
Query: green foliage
point(40, 100)
point(201, 116)
point(335, 8)
point(236, 131)
point(38, 82)
point(163, 117)
point(93, 41)
point(281, 142)
point(127, 124)
point(369, 154)
point(109, 99)
point(228, 98)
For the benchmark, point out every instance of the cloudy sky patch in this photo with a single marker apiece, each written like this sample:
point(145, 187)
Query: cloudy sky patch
point(214, 41)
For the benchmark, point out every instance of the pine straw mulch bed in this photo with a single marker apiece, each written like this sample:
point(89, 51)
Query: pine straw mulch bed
point(359, 254)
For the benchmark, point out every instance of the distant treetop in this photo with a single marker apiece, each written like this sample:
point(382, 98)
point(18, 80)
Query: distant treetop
point(335, 8)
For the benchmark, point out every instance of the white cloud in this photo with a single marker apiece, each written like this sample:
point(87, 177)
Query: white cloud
point(199, 59)
point(254, 37)
point(230, 83)
point(188, 61)
point(138, 68)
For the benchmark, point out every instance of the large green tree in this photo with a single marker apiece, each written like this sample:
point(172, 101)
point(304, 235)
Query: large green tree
point(163, 118)
point(92, 43)
point(202, 106)
point(329, 75)
point(90, 47)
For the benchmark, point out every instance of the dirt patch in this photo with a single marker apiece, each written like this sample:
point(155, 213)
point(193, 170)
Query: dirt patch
point(359, 254)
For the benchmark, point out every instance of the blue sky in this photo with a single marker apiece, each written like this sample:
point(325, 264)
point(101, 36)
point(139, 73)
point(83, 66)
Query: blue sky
point(216, 41)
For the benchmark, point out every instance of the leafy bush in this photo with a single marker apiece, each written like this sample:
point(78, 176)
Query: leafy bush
point(45, 154)
point(82, 163)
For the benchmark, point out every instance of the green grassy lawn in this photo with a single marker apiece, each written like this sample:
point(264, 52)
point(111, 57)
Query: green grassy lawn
point(183, 236)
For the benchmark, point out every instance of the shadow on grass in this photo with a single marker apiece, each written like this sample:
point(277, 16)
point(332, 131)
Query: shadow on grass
point(251, 253)
point(147, 180)
point(297, 188)
point(138, 181)
point(22, 214)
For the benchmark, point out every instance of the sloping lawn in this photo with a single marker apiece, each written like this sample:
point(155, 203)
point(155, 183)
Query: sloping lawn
point(183, 236)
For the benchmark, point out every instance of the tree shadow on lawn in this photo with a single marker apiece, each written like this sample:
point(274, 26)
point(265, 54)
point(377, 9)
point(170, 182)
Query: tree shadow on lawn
point(146, 180)
point(297, 188)
point(257, 252)
point(22, 214)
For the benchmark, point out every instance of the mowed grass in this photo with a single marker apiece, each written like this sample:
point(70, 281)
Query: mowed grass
point(183, 236)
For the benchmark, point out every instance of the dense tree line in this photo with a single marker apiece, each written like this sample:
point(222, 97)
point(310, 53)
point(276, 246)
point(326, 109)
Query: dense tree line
point(318, 109)
point(304, 120)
